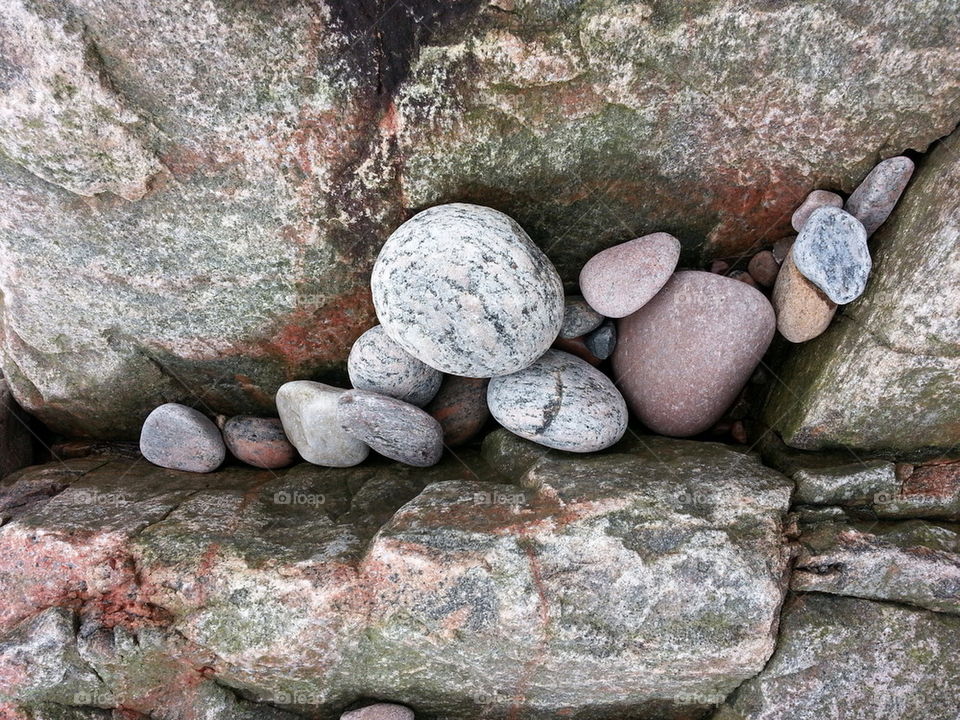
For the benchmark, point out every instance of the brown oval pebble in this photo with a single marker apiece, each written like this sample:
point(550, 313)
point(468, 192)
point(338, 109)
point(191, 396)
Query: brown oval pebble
point(461, 408)
point(763, 267)
point(391, 427)
point(259, 441)
point(621, 279)
point(577, 346)
point(744, 277)
point(682, 359)
point(815, 200)
point(803, 310)
point(720, 267)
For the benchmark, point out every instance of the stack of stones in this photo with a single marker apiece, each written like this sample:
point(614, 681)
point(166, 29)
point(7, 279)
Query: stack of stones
point(474, 323)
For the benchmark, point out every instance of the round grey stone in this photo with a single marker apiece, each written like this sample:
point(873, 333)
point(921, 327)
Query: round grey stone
point(308, 411)
point(378, 364)
point(602, 341)
point(561, 402)
point(463, 289)
point(393, 428)
point(180, 438)
point(831, 252)
point(578, 317)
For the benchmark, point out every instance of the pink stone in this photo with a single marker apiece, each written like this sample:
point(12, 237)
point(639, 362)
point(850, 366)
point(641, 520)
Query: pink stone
point(763, 267)
point(621, 279)
point(379, 711)
point(258, 441)
point(874, 199)
point(682, 359)
point(461, 408)
point(816, 199)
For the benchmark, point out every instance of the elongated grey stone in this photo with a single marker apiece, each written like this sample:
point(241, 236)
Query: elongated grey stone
point(578, 317)
point(874, 199)
point(308, 411)
point(602, 341)
point(393, 428)
point(831, 252)
point(378, 364)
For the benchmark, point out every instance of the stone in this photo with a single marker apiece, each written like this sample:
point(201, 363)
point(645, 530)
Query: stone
point(764, 268)
point(461, 408)
point(913, 562)
point(260, 442)
point(391, 427)
point(744, 277)
point(308, 412)
point(379, 711)
point(578, 318)
point(622, 279)
point(181, 438)
point(816, 199)
point(463, 289)
point(831, 252)
point(307, 589)
point(803, 311)
point(602, 341)
point(16, 437)
point(560, 401)
point(683, 358)
point(855, 659)
point(578, 347)
point(720, 267)
point(378, 364)
point(886, 378)
point(876, 197)
point(782, 247)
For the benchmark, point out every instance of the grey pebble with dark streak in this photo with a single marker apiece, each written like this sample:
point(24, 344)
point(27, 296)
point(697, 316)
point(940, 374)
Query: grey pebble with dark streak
point(391, 427)
point(180, 438)
point(578, 317)
point(378, 364)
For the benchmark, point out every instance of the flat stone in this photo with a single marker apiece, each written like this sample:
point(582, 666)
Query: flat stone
point(621, 279)
point(463, 289)
point(803, 311)
point(308, 412)
point(560, 401)
point(461, 408)
point(380, 365)
point(816, 199)
point(831, 252)
point(393, 428)
point(180, 438)
point(602, 341)
point(379, 711)
point(876, 197)
point(259, 441)
point(578, 317)
point(764, 268)
point(683, 358)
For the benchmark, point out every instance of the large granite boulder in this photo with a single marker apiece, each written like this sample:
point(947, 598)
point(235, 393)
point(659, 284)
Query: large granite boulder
point(194, 193)
point(643, 582)
point(886, 376)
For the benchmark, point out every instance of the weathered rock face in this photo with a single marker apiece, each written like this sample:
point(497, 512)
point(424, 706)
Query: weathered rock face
point(886, 375)
point(194, 195)
point(445, 589)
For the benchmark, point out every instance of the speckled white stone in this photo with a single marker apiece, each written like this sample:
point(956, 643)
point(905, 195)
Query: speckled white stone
point(874, 199)
point(378, 364)
point(816, 199)
point(561, 402)
point(463, 289)
point(831, 252)
point(308, 411)
point(181, 438)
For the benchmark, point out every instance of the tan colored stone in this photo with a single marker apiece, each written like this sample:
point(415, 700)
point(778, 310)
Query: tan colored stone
point(803, 311)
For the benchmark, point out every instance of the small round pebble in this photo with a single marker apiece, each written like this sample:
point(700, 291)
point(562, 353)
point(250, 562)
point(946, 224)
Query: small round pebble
point(379, 711)
point(816, 199)
point(308, 411)
point(378, 364)
point(622, 279)
point(259, 441)
point(720, 267)
point(180, 438)
point(464, 289)
point(578, 317)
point(602, 341)
point(561, 402)
point(393, 428)
point(461, 408)
point(763, 267)
point(744, 277)
point(831, 252)
point(803, 311)
point(874, 199)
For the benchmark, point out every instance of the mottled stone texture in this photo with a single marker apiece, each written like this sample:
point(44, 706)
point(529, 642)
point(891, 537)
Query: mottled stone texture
point(194, 193)
point(884, 376)
point(642, 583)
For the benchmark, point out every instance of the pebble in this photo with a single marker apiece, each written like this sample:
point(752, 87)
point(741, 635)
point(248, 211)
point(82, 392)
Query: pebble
point(816, 199)
point(259, 441)
point(578, 318)
point(378, 364)
point(744, 277)
point(683, 358)
point(463, 289)
point(602, 341)
point(803, 311)
point(782, 246)
point(379, 711)
point(561, 402)
point(874, 199)
point(393, 428)
point(578, 347)
point(831, 252)
point(308, 411)
point(720, 267)
point(622, 279)
point(180, 438)
point(763, 267)
point(461, 408)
